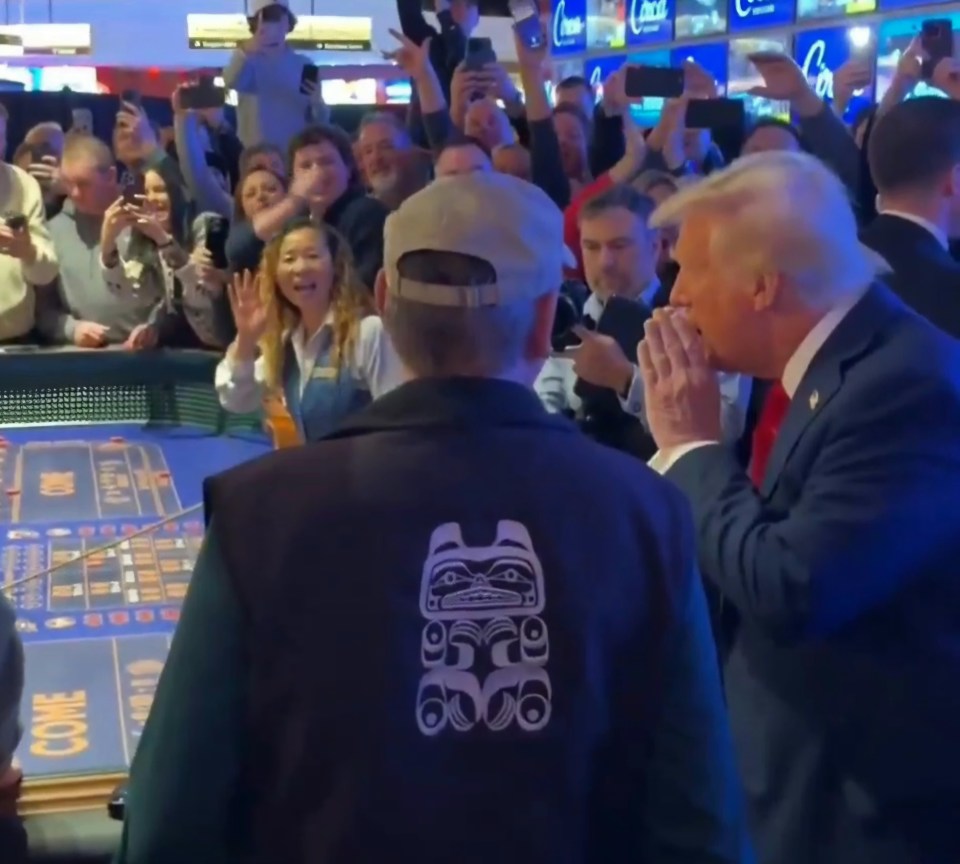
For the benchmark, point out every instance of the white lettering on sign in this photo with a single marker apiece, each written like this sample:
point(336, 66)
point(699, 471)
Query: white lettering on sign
point(746, 8)
point(815, 69)
point(596, 82)
point(566, 30)
point(645, 13)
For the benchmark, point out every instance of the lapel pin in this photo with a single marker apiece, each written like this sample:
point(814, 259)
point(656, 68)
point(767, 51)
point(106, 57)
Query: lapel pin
point(814, 400)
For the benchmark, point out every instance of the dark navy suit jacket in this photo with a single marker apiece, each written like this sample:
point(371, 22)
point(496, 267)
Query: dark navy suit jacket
point(843, 676)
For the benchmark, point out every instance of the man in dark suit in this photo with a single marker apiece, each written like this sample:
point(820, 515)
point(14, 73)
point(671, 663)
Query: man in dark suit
point(841, 563)
point(914, 156)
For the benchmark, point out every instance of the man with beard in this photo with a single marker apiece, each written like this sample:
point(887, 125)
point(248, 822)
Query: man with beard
point(393, 168)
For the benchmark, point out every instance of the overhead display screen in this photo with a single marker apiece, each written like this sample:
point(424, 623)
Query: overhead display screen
point(606, 23)
point(744, 75)
point(647, 112)
point(598, 69)
point(712, 56)
point(49, 40)
point(834, 8)
point(821, 53)
point(312, 33)
point(568, 27)
point(649, 21)
point(753, 14)
point(893, 38)
point(700, 18)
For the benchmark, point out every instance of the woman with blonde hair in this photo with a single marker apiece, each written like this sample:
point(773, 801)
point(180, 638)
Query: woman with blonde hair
point(305, 332)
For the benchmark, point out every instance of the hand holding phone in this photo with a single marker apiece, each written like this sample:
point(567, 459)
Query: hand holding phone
point(526, 24)
point(654, 81)
point(936, 42)
point(309, 78)
point(479, 54)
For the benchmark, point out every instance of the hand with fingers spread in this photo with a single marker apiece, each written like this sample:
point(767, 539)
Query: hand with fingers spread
point(249, 312)
point(784, 81)
point(599, 360)
point(680, 391)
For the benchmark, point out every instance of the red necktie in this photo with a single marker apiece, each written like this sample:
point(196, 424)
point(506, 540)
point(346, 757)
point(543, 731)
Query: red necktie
point(775, 406)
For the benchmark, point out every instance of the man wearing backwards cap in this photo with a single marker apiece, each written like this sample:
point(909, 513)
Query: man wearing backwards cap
point(456, 630)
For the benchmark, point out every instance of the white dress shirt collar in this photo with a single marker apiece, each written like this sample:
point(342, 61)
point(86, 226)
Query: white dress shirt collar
point(918, 220)
point(798, 364)
point(593, 307)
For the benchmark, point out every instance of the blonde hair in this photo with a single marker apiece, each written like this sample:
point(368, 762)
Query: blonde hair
point(350, 302)
point(82, 145)
point(782, 213)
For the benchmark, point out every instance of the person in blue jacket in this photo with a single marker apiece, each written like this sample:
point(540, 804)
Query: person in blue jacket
point(304, 331)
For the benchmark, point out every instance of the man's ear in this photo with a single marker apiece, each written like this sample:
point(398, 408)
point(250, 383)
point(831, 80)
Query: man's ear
point(380, 291)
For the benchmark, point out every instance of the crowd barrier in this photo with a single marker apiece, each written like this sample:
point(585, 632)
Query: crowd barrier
point(41, 386)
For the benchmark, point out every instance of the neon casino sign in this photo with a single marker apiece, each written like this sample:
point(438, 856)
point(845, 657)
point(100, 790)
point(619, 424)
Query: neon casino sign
point(745, 8)
point(566, 31)
point(815, 68)
point(647, 15)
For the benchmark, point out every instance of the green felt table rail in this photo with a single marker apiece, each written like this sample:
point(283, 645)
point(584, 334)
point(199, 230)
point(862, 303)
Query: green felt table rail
point(70, 385)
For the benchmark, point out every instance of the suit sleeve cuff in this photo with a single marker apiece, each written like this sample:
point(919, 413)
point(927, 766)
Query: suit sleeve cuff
point(663, 460)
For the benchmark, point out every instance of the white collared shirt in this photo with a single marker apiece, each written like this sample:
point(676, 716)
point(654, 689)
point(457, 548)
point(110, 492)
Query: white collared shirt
point(240, 386)
point(556, 382)
point(793, 373)
point(942, 238)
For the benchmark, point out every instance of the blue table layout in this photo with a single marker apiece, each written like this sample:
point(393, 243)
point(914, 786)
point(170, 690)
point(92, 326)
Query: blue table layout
point(114, 509)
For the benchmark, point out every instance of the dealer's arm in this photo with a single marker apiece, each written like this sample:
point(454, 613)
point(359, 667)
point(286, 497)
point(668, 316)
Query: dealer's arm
point(180, 800)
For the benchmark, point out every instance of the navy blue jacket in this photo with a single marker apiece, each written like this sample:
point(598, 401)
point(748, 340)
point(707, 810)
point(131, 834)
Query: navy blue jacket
point(842, 678)
point(457, 630)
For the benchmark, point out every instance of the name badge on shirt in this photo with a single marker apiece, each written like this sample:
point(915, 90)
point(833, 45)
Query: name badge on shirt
point(325, 373)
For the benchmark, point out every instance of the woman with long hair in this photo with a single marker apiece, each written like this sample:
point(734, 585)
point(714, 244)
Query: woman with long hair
point(306, 332)
point(160, 259)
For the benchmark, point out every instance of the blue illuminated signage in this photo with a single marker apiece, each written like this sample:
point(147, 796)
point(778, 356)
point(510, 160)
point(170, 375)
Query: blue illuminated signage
point(598, 70)
point(568, 26)
point(712, 56)
point(649, 21)
point(821, 52)
point(901, 4)
point(753, 14)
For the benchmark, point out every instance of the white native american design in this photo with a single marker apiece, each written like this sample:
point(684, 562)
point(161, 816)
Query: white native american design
point(484, 645)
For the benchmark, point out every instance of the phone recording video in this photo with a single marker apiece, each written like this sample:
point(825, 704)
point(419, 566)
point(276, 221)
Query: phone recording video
point(203, 96)
point(479, 53)
point(133, 190)
point(526, 23)
point(133, 97)
point(663, 82)
point(718, 115)
point(215, 242)
point(309, 75)
point(936, 40)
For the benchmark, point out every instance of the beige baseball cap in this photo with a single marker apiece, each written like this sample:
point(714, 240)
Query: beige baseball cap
point(506, 221)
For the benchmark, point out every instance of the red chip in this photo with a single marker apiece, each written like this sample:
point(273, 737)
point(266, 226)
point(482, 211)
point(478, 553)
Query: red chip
point(163, 475)
point(117, 439)
point(13, 493)
point(4, 443)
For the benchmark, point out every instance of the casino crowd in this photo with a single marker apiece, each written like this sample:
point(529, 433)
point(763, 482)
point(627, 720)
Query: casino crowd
point(507, 309)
